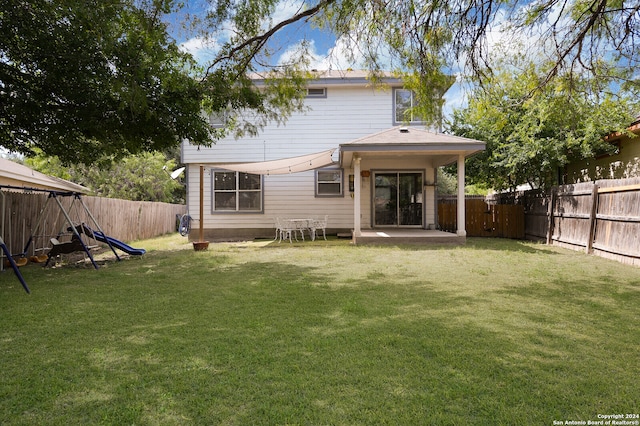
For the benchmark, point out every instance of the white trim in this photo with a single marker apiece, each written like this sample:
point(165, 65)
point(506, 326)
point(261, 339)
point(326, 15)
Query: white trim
point(356, 198)
point(461, 200)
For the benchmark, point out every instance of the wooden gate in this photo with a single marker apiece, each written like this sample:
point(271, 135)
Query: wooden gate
point(482, 219)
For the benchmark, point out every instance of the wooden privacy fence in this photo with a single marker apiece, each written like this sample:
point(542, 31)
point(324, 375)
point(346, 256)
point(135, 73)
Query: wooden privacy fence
point(482, 219)
point(535, 205)
point(121, 219)
point(601, 217)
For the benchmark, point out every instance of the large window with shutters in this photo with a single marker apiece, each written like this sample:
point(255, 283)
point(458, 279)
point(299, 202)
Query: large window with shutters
point(236, 192)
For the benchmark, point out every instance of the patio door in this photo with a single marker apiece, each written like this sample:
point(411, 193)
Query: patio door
point(397, 199)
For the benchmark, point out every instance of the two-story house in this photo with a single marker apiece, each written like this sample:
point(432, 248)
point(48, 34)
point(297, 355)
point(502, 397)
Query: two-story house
point(353, 155)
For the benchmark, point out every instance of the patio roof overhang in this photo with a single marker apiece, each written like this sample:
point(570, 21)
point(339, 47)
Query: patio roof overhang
point(397, 142)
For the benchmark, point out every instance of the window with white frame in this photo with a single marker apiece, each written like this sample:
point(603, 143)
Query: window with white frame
point(404, 101)
point(236, 191)
point(316, 92)
point(329, 182)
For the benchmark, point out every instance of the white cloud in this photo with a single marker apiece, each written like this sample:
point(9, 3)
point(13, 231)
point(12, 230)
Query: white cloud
point(203, 50)
point(285, 10)
point(334, 58)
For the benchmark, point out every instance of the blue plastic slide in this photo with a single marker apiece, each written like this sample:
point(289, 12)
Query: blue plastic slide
point(115, 243)
point(119, 244)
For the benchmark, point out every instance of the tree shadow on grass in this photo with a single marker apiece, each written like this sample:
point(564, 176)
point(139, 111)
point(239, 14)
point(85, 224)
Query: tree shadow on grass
point(476, 243)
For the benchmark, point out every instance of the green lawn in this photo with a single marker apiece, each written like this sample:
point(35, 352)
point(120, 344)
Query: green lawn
point(323, 333)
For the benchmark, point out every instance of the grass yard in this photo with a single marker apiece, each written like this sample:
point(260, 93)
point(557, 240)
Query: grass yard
point(496, 332)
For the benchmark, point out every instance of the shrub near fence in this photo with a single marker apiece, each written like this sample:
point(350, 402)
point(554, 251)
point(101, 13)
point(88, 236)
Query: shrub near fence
point(122, 219)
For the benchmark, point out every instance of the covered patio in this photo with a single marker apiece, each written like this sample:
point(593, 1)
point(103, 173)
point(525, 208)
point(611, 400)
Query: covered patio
point(394, 184)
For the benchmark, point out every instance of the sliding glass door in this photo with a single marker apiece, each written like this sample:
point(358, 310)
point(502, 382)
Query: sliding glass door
point(397, 199)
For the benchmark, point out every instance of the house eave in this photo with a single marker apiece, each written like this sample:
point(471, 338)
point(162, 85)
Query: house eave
point(342, 80)
point(427, 147)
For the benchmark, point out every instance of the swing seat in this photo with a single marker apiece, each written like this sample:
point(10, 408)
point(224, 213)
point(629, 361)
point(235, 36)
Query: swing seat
point(20, 261)
point(64, 248)
point(39, 258)
point(59, 248)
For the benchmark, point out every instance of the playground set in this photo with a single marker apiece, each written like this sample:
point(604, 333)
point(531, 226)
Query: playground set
point(73, 235)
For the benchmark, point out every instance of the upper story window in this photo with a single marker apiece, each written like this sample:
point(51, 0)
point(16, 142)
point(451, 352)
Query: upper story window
point(403, 103)
point(236, 192)
point(316, 92)
point(329, 183)
point(218, 119)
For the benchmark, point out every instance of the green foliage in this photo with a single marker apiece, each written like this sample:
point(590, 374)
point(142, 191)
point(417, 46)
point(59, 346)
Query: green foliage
point(532, 131)
point(447, 183)
point(84, 80)
point(141, 177)
point(92, 80)
point(410, 38)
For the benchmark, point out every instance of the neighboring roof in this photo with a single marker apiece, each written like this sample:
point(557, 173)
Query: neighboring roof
point(634, 128)
point(411, 140)
point(284, 165)
point(19, 176)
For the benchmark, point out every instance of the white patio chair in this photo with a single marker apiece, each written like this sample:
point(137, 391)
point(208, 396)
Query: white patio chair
point(300, 226)
point(278, 226)
point(318, 224)
point(284, 229)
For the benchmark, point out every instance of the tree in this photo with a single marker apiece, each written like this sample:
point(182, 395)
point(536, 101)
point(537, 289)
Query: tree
point(424, 41)
point(425, 35)
point(85, 80)
point(141, 177)
point(533, 132)
point(100, 79)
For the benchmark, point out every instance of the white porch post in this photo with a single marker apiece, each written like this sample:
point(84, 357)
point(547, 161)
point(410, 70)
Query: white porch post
point(461, 201)
point(356, 197)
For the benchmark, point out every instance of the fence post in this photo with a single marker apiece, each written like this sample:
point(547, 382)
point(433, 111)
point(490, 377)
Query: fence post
point(550, 211)
point(592, 217)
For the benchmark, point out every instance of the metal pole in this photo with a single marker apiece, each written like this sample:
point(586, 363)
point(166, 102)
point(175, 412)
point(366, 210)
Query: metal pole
point(14, 266)
point(201, 235)
point(35, 230)
point(2, 229)
point(95, 222)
